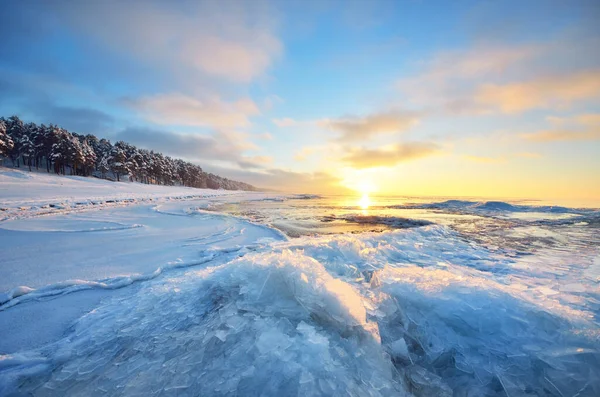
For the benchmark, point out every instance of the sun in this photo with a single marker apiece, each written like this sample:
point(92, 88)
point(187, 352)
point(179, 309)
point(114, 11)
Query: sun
point(364, 202)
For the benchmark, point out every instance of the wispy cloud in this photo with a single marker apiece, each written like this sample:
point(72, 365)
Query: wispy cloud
point(255, 162)
point(179, 109)
point(234, 41)
point(529, 155)
point(308, 151)
point(562, 135)
point(584, 127)
point(485, 159)
point(389, 156)
point(499, 78)
point(286, 180)
point(219, 146)
point(362, 128)
point(285, 122)
point(265, 136)
point(548, 92)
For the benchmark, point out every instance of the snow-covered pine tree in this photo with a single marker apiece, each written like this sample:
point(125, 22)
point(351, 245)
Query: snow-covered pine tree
point(6, 143)
point(103, 150)
point(89, 157)
point(103, 165)
point(75, 156)
point(15, 129)
point(118, 161)
point(27, 150)
point(60, 153)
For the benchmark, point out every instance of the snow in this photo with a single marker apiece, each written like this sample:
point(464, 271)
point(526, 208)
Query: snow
point(34, 191)
point(163, 297)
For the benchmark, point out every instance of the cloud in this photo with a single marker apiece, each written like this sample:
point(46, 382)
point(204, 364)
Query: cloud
point(501, 159)
point(389, 156)
point(308, 151)
point(265, 136)
point(492, 77)
point(285, 122)
point(563, 135)
point(589, 119)
point(34, 100)
point(547, 92)
point(179, 109)
point(233, 41)
point(529, 155)
point(285, 180)
point(483, 159)
point(362, 128)
point(255, 161)
point(192, 147)
point(445, 80)
point(584, 127)
point(76, 119)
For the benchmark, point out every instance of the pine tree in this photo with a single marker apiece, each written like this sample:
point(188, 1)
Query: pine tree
point(118, 162)
point(6, 143)
point(104, 165)
point(27, 150)
point(60, 153)
point(15, 129)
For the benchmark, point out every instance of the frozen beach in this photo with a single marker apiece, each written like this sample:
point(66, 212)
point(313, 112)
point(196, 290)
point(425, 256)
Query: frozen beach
point(128, 289)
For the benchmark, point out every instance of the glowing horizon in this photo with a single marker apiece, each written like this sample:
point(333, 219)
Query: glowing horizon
point(499, 100)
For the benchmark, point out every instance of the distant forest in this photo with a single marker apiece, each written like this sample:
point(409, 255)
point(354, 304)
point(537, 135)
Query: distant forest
point(59, 150)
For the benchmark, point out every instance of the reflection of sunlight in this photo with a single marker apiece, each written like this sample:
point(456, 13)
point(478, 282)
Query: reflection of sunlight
point(364, 202)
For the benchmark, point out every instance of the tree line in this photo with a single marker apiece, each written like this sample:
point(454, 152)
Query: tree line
point(54, 148)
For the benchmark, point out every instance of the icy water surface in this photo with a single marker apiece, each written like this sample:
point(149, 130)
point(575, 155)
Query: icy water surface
point(409, 297)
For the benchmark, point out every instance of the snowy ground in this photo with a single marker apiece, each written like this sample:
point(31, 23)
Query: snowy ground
point(64, 234)
point(161, 297)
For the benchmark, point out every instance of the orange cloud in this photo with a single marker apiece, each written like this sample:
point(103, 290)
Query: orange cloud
point(562, 135)
point(389, 156)
point(361, 128)
point(589, 119)
point(584, 127)
point(490, 77)
point(547, 92)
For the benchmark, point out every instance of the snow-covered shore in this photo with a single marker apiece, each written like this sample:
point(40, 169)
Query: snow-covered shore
point(62, 234)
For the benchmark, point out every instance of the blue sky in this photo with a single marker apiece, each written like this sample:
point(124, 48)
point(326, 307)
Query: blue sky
point(465, 98)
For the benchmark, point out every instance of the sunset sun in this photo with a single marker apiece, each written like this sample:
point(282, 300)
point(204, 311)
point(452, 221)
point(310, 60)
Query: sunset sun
point(364, 202)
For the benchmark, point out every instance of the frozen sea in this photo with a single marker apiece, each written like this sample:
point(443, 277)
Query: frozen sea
point(125, 289)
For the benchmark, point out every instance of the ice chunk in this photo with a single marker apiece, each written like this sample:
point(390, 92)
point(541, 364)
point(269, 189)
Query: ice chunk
point(399, 349)
point(425, 383)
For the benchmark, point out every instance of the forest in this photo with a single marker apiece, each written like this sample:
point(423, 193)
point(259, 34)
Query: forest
point(63, 152)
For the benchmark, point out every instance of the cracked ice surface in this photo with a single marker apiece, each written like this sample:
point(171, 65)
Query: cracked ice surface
point(414, 312)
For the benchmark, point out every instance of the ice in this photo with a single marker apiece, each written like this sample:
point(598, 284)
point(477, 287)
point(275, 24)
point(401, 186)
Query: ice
point(300, 330)
point(399, 349)
point(229, 328)
point(424, 383)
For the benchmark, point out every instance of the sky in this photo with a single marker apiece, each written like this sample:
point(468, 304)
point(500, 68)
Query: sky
point(417, 98)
